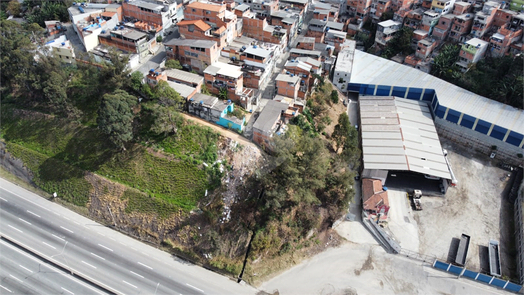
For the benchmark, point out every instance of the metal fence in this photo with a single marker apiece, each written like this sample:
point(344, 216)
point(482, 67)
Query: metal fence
point(476, 276)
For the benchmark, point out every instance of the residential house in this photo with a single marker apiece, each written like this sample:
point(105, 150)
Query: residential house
point(287, 85)
point(325, 11)
point(502, 17)
point(53, 27)
point(314, 54)
point(417, 36)
point(128, 40)
point(262, 9)
point(62, 48)
point(461, 8)
point(303, 5)
point(461, 27)
point(359, 10)
point(316, 65)
point(429, 20)
point(195, 29)
point(223, 22)
point(212, 109)
point(162, 14)
point(443, 27)
point(186, 78)
point(316, 29)
point(484, 19)
point(220, 76)
point(425, 47)
point(374, 197)
point(344, 65)
point(262, 31)
point(287, 20)
point(154, 77)
point(268, 123)
point(386, 30)
point(379, 7)
point(413, 18)
point(89, 22)
point(185, 91)
point(307, 43)
point(259, 63)
point(303, 71)
point(442, 6)
point(471, 52)
point(335, 38)
point(507, 35)
point(193, 54)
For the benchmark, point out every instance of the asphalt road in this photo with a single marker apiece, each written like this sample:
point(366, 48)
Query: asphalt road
point(104, 255)
point(21, 273)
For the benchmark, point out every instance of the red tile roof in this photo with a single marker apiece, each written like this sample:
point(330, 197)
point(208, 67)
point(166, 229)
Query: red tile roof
point(372, 194)
point(200, 24)
point(207, 6)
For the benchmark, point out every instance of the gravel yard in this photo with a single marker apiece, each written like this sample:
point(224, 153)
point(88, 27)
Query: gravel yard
point(476, 207)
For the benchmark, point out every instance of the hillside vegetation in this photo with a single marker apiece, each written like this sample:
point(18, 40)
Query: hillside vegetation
point(82, 133)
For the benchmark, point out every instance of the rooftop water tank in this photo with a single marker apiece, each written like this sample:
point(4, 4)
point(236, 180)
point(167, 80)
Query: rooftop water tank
point(63, 43)
point(254, 46)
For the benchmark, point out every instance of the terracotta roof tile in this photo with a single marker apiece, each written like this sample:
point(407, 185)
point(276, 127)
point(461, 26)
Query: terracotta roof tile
point(206, 6)
point(200, 24)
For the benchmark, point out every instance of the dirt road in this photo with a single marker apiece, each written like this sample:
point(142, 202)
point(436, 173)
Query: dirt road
point(223, 131)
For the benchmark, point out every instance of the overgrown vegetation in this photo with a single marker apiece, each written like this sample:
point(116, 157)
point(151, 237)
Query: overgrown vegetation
point(65, 120)
point(401, 43)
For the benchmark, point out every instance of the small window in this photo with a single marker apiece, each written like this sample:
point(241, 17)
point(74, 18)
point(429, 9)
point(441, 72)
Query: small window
point(193, 10)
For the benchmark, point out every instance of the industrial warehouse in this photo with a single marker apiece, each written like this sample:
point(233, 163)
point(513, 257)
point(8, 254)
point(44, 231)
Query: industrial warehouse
point(398, 135)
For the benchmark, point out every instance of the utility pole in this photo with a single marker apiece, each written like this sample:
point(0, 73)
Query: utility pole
point(111, 215)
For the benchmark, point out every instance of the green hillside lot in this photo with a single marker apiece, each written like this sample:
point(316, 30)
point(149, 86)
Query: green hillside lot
point(60, 152)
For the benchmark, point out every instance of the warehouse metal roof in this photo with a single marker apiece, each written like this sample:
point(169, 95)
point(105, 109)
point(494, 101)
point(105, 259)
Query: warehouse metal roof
point(399, 134)
point(371, 69)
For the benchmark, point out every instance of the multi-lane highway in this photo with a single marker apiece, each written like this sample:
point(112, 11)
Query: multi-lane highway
point(114, 260)
point(22, 273)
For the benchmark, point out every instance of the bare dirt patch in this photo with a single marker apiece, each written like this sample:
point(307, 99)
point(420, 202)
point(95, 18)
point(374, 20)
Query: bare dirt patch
point(475, 207)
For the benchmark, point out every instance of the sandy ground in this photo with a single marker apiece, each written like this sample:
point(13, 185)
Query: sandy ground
point(367, 269)
point(473, 208)
point(401, 223)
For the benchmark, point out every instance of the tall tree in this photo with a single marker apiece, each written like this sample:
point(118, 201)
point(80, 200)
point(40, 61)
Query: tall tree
point(115, 117)
point(114, 74)
point(167, 96)
point(166, 120)
point(444, 63)
point(296, 172)
point(173, 64)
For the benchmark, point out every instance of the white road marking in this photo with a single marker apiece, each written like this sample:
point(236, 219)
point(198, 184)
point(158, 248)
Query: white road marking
point(105, 247)
point(194, 288)
point(89, 264)
point(76, 222)
point(56, 213)
point(145, 265)
point(3, 199)
point(48, 245)
point(136, 274)
point(16, 278)
point(133, 248)
point(130, 284)
point(57, 237)
point(67, 290)
point(67, 229)
point(121, 243)
point(98, 256)
point(66, 218)
point(112, 239)
point(14, 228)
point(6, 289)
point(26, 199)
point(24, 221)
point(33, 213)
point(101, 234)
point(26, 268)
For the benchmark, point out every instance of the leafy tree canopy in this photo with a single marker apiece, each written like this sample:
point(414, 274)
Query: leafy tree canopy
point(115, 117)
point(173, 64)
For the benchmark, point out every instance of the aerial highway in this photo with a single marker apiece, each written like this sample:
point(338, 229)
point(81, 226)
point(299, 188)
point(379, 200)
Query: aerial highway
point(106, 257)
point(22, 273)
